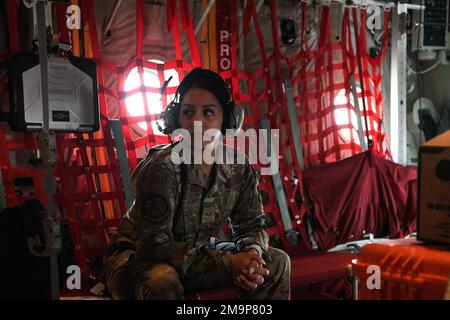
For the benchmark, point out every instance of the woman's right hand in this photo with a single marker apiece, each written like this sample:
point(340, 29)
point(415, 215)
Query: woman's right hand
point(247, 269)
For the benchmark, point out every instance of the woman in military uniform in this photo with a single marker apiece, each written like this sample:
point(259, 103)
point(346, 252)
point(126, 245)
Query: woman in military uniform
point(166, 244)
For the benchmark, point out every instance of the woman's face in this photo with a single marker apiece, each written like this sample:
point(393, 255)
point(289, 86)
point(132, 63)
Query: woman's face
point(200, 105)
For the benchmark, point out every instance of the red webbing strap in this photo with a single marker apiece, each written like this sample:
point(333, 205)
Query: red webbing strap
point(331, 88)
point(6, 168)
point(371, 73)
point(18, 141)
point(74, 142)
point(173, 18)
point(29, 141)
point(170, 14)
point(280, 100)
point(59, 12)
point(13, 26)
point(267, 184)
point(88, 11)
point(302, 94)
point(70, 196)
point(325, 67)
point(252, 119)
point(140, 66)
point(234, 44)
point(126, 120)
point(150, 134)
point(381, 145)
point(262, 51)
point(14, 47)
point(139, 28)
point(188, 27)
point(92, 193)
point(383, 140)
point(109, 141)
point(304, 126)
point(66, 198)
point(120, 95)
point(86, 200)
point(303, 47)
point(347, 46)
point(283, 121)
point(272, 206)
point(338, 71)
point(248, 12)
point(319, 86)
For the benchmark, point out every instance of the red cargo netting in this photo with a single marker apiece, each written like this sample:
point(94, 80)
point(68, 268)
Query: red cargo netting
point(134, 126)
point(90, 188)
point(16, 147)
point(325, 103)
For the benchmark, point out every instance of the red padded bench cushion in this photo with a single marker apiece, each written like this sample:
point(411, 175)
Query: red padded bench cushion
point(316, 267)
point(320, 267)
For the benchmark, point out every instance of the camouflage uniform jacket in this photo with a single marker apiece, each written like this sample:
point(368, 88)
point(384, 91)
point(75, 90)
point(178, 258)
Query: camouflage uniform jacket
point(178, 209)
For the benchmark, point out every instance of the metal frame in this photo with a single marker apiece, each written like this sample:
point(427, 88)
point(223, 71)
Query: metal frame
point(298, 149)
point(293, 120)
point(47, 135)
point(279, 190)
point(398, 130)
point(362, 139)
point(123, 160)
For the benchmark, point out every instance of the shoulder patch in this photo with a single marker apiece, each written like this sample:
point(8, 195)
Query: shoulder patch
point(155, 209)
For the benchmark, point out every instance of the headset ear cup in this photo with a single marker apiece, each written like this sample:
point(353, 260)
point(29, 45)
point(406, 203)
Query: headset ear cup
point(169, 117)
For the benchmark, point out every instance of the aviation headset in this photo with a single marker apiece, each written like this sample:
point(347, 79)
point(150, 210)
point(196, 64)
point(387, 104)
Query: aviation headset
point(233, 115)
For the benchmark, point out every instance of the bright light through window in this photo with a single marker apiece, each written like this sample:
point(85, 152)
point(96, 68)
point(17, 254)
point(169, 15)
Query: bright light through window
point(135, 104)
point(342, 115)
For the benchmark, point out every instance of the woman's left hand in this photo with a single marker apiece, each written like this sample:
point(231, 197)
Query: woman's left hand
point(252, 276)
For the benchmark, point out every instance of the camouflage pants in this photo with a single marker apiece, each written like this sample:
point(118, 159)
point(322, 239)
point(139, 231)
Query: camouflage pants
point(133, 279)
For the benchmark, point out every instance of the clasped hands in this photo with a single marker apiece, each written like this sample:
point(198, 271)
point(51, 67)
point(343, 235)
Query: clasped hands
point(248, 269)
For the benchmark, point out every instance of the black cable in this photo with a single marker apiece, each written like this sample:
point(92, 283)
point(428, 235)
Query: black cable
point(418, 75)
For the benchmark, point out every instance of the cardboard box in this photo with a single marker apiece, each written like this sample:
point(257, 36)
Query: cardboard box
point(434, 190)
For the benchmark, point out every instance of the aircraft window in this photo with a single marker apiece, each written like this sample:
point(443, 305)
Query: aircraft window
point(135, 104)
point(343, 117)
